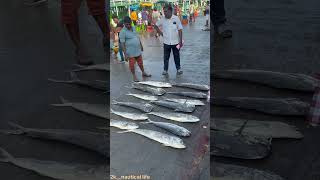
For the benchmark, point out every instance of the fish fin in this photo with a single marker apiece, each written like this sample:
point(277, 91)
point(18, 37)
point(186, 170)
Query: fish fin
point(74, 76)
point(111, 110)
point(114, 102)
point(166, 144)
point(120, 132)
point(5, 156)
point(64, 102)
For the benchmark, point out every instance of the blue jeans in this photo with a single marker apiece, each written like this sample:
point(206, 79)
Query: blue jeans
point(166, 56)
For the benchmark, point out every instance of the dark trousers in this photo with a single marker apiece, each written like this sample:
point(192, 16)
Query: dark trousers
point(218, 14)
point(166, 57)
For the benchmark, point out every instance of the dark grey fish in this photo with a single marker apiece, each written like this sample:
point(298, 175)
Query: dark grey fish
point(292, 81)
point(257, 128)
point(97, 142)
point(154, 91)
point(199, 95)
point(173, 128)
point(57, 170)
point(200, 87)
point(96, 67)
point(98, 110)
point(145, 107)
point(98, 84)
point(222, 171)
point(235, 145)
point(181, 107)
point(275, 106)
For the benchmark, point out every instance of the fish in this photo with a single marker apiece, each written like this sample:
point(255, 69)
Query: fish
point(199, 95)
point(156, 84)
point(179, 117)
point(221, 171)
point(98, 110)
point(98, 84)
point(57, 170)
point(97, 67)
point(123, 124)
point(145, 107)
point(258, 128)
point(96, 142)
point(299, 82)
point(200, 87)
point(164, 139)
point(173, 128)
point(274, 106)
point(144, 97)
point(132, 116)
point(175, 106)
point(154, 91)
point(195, 102)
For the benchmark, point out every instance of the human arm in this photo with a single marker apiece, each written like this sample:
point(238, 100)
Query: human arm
point(156, 27)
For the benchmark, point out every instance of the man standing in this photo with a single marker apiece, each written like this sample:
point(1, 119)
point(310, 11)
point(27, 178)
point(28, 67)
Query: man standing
point(172, 37)
point(219, 19)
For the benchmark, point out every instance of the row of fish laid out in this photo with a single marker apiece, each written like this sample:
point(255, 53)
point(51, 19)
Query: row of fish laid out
point(159, 84)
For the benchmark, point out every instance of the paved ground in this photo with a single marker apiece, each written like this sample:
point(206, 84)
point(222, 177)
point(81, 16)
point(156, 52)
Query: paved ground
point(134, 154)
point(33, 47)
point(278, 36)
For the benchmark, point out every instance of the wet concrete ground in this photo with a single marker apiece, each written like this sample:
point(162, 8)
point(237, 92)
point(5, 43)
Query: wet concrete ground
point(278, 36)
point(132, 154)
point(34, 47)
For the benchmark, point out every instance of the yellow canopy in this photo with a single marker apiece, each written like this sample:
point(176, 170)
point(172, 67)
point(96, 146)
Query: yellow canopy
point(146, 4)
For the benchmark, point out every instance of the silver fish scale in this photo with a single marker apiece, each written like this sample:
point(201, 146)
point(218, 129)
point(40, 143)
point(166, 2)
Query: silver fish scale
point(173, 128)
point(133, 116)
point(180, 117)
point(154, 91)
point(176, 106)
point(143, 107)
point(123, 124)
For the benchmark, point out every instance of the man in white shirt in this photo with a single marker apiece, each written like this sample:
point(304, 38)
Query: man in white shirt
point(172, 37)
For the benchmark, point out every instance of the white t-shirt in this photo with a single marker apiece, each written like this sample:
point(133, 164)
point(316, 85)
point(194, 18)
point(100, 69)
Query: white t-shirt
point(170, 29)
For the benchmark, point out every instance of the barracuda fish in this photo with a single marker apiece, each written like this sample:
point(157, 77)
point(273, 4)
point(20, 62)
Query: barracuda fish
point(193, 86)
point(145, 107)
point(89, 140)
point(257, 128)
point(57, 170)
point(175, 106)
point(156, 84)
point(179, 117)
point(154, 91)
point(173, 128)
point(132, 116)
point(98, 110)
point(195, 102)
point(98, 84)
point(229, 144)
point(190, 94)
point(144, 97)
point(164, 139)
point(275, 106)
point(123, 124)
point(97, 67)
point(280, 80)
point(233, 172)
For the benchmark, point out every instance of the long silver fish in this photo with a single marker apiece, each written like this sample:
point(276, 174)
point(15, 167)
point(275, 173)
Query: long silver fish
point(123, 124)
point(128, 115)
point(144, 97)
point(57, 170)
point(154, 91)
point(156, 84)
point(98, 110)
point(276, 106)
point(292, 81)
point(89, 140)
point(97, 67)
point(145, 107)
point(173, 128)
point(195, 102)
point(98, 84)
point(164, 139)
point(175, 106)
point(200, 87)
point(179, 117)
point(190, 94)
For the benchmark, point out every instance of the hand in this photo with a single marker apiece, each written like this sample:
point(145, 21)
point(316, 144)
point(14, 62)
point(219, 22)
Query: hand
point(141, 48)
point(180, 44)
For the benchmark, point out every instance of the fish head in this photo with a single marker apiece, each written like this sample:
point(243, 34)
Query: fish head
point(130, 125)
point(186, 133)
point(179, 144)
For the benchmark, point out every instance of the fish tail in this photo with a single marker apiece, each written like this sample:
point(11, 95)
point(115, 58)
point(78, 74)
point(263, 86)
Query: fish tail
point(5, 156)
point(120, 132)
point(64, 102)
point(74, 76)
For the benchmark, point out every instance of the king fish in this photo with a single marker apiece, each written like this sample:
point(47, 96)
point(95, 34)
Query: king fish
point(292, 81)
point(195, 102)
point(156, 84)
point(190, 94)
point(97, 67)
point(175, 106)
point(164, 139)
point(144, 97)
point(123, 124)
point(173, 128)
point(154, 91)
point(179, 117)
point(275, 106)
point(98, 110)
point(57, 170)
point(145, 107)
point(193, 86)
point(132, 116)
